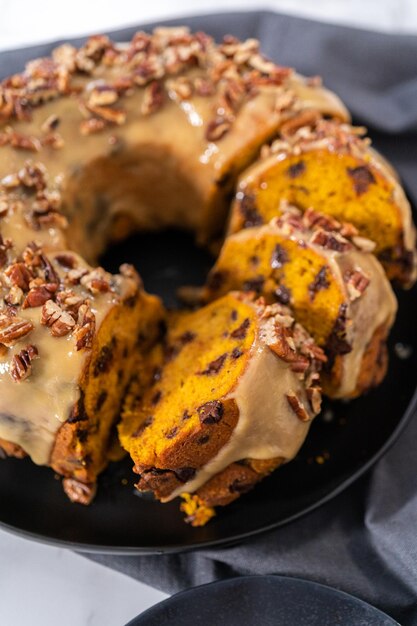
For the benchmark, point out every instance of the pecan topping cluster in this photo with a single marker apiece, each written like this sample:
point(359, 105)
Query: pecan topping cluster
point(60, 287)
point(39, 204)
point(234, 70)
point(307, 131)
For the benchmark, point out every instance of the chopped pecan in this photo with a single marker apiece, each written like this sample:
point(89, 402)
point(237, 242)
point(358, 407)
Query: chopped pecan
point(96, 281)
point(50, 124)
point(109, 114)
point(24, 142)
point(314, 397)
point(356, 283)
point(21, 367)
point(180, 88)
point(13, 328)
point(19, 275)
point(39, 295)
point(86, 324)
point(203, 86)
point(217, 128)
point(298, 407)
point(331, 241)
point(60, 322)
point(92, 125)
point(102, 95)
point(153, 98)
point(15, 296)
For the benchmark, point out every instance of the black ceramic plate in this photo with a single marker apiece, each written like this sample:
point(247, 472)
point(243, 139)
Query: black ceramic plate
point(342, 444)
point(263, 601)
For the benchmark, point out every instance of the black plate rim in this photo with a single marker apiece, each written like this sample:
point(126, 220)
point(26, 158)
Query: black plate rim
point(138, 620)
point(244, 535)
point(237, 538)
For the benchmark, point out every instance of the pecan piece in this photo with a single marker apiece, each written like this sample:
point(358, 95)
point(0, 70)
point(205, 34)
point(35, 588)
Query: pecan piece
point(22, 363)
point(356, 283)
point(86, 324)
point(298, 407)
point(60, 322)
point(314, 397)
point(13, 328)
point(19, 275)
point(217, 128)
point(153, 98)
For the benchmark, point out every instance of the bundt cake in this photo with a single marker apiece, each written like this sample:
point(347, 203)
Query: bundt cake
point(328, 166)
point(336, 289)
point(151, 134)
point(234, 396)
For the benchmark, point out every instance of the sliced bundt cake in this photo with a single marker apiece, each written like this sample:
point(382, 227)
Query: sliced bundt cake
point(330, 167)
point(335, 287)
point(233, 398)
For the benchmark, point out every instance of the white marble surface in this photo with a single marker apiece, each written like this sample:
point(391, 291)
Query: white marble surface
point(45, 586)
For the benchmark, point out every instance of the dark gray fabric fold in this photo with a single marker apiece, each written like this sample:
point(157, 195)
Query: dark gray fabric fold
point(364, 541)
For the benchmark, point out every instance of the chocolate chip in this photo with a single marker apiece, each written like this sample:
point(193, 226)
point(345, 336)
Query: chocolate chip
point(336, 342)
point(214, 367)
point(157, 374)
point(101, 400)
point(82, 435)
point(241, 331)
point(362, 177)
point(282, 294)
point(236, 353)
point(66, 260)
point(248, 210)
point(187, 337)
point(186, 416)
point(238, 487)
point(233, 315)
point(279, 257)
point(204, 439)
point(255, 284)
point(171, 433)
point(296, 169)
point(147, 422)
point(184, 474)
point(156, 397)
point(211, 412)
point(131, 300)
point(320, 282)
point(78, 412)
point(104, 359)
point(215, 280)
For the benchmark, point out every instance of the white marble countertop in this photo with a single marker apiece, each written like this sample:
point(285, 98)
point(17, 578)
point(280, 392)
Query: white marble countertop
point(46, 586)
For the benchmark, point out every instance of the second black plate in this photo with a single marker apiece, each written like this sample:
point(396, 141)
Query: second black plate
point(344, 441)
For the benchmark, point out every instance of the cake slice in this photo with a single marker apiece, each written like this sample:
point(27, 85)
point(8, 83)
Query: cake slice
point(232, 399)
point(328, 166)
point(69, 334)
point(336, 289)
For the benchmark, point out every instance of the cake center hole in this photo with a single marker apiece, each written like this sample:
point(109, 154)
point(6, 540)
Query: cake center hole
point(165, 260)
